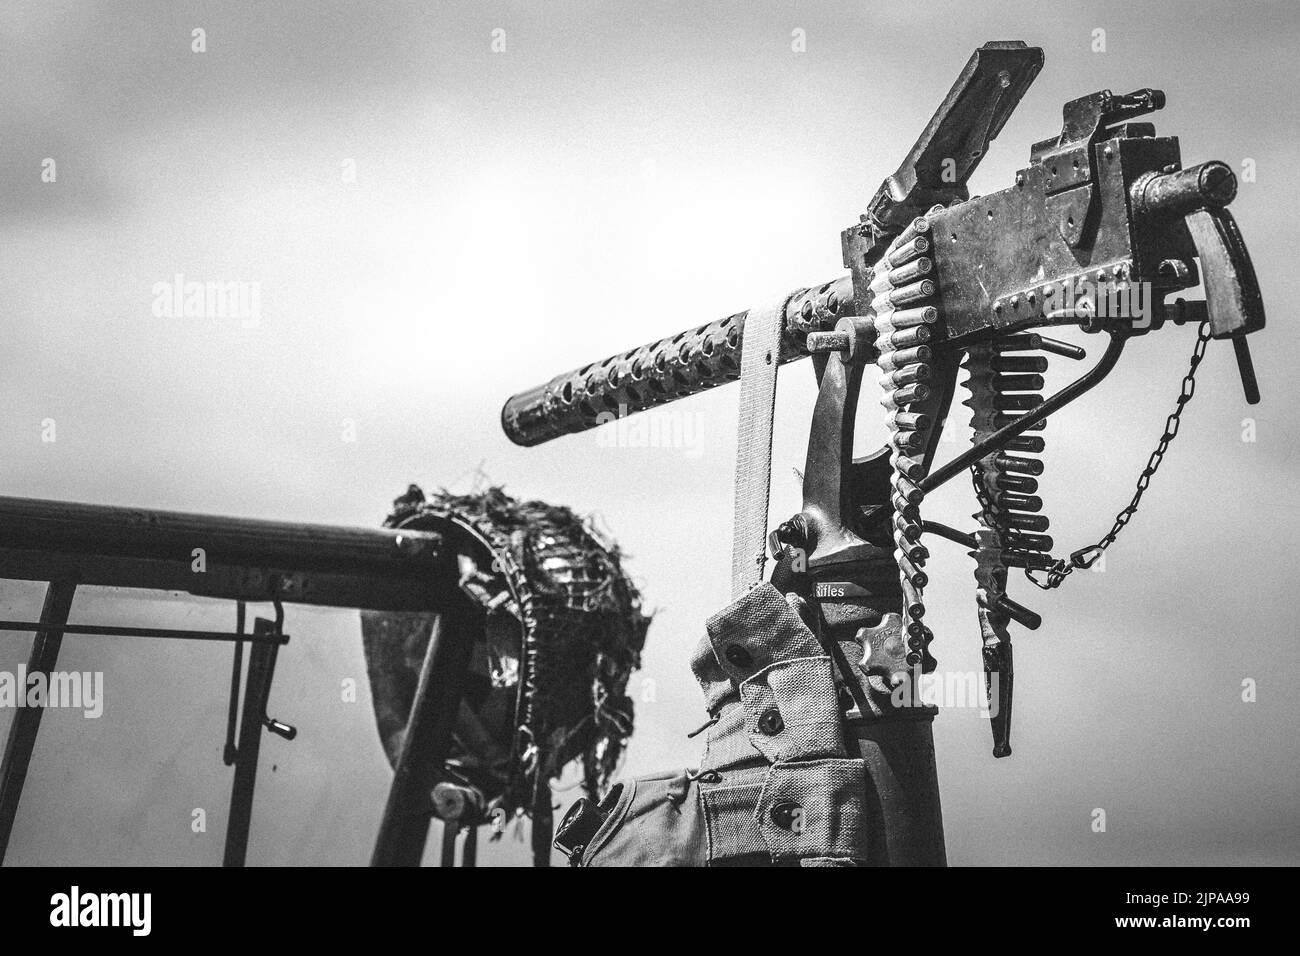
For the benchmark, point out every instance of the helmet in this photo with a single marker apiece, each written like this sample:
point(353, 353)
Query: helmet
point(561, 632)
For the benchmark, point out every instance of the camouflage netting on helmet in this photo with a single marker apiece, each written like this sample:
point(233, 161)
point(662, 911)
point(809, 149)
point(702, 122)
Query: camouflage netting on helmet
point(562, 632)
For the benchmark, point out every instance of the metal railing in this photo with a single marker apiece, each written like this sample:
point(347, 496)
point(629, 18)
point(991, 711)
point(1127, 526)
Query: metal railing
point(69, 545)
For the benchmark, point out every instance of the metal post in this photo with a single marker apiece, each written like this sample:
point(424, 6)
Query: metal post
point(27, 720)
point(449, 828)
point(543, 823)
point(257, 690)
point(902, 795)
point(427, 742)
point(469, 852)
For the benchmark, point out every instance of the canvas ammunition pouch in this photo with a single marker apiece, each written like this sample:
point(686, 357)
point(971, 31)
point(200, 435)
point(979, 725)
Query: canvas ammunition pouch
point(776, 785)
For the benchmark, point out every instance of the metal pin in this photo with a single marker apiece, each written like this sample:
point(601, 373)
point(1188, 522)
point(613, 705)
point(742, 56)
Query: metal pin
point(912, 293)
point(1031, 560)
point(911, 393)
point(907, 442)
point(909, 251)
point(1062, 348)
point(915, 575)
point(917, 372)
point(1028, 542)
point(1025, 522)
point(1019, 502)
point(916, 420)
point(917, 552)
point(1018, 484)
point(908, 529)
point(818, 342)
point(905, 338)
point(1017, 401)
point(1017, 612)
point(1015, 383)
point(1025, 342)
point(1019, 363)
point(904, 487)
point(909, 468)
point(1034, 444)
point(901, 507)
point(904, 357)
point(918, 226)
point(910, 272)
point(906, 318)
point(1024, 466)
point(913, 606)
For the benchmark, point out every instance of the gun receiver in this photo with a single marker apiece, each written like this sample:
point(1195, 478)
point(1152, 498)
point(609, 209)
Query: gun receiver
point(1099, 231)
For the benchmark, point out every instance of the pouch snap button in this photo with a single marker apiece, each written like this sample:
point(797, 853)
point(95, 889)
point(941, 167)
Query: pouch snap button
point(786, 815)
point(770, 722)
point(737, 656)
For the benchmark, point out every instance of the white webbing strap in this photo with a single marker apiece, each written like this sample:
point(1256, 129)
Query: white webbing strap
point(760, 355)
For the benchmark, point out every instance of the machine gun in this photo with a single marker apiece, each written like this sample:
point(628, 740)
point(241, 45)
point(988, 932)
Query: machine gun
point(1099, 231)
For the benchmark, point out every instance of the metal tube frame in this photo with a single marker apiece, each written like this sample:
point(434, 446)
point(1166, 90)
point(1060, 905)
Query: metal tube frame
point(426, 746)
point(27, 720)
point(69, 544)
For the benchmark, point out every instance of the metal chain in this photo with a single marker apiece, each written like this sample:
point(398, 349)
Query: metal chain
point(1087, 557)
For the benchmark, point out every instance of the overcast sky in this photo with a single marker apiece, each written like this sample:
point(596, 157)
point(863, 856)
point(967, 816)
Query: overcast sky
point(617, 173)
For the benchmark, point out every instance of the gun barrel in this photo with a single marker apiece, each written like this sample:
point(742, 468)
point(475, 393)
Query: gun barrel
point(661, 372)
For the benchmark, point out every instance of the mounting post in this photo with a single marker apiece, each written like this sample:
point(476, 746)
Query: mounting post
point(27, 720)
point(427, 743)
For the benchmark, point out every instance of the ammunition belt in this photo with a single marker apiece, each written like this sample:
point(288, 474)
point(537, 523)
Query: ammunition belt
point(904, 319)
